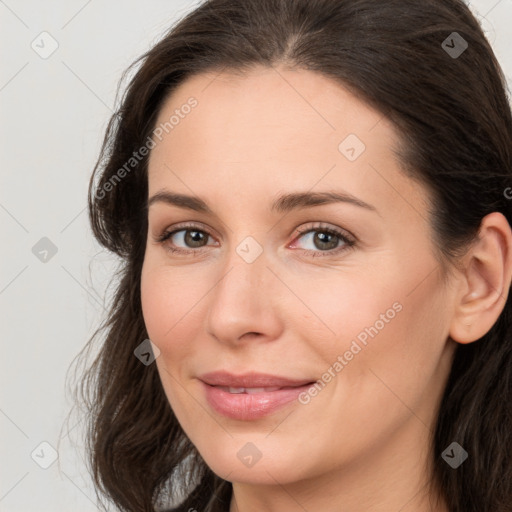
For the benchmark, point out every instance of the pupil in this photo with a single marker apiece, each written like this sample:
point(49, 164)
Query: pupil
point(323, 239)
point(192, 237)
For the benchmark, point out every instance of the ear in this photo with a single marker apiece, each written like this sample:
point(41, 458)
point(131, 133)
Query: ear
point(485, 283)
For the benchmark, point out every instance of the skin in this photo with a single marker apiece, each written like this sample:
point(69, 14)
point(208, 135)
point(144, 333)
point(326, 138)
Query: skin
point(363, 442)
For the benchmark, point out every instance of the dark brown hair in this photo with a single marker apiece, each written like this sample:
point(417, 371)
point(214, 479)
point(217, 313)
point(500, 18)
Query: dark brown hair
point(453, 117)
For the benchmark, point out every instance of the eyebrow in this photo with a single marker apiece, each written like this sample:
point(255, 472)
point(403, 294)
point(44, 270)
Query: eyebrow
point(283, 204)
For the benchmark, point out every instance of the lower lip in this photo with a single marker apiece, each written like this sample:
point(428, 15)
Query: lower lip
point(243, 406)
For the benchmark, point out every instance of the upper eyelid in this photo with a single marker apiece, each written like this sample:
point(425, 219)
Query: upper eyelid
point(202, 227)
point(185, 227)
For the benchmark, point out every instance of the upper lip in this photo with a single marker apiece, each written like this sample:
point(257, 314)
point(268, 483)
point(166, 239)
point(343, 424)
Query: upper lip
point(250, 380)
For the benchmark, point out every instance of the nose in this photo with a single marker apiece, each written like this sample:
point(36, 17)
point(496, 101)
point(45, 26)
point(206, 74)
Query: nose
point(243, 305)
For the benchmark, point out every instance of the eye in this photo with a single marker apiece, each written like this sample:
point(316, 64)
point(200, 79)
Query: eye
point(190, 236)
point(323, 239)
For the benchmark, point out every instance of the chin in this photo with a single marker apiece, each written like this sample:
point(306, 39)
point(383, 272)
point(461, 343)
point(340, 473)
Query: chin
point(244, 465)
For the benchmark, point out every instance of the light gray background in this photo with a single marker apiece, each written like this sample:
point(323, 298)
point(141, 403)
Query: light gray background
point(54, 112)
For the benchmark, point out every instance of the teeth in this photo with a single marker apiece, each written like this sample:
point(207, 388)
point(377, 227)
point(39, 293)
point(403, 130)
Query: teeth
point(236, 390)
point(249, 391)
point(252, 391)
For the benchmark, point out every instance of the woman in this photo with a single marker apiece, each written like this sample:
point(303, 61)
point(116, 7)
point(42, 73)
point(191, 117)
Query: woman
point(310, 201)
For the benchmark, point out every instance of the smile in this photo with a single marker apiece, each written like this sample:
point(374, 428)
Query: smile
point(250, 396)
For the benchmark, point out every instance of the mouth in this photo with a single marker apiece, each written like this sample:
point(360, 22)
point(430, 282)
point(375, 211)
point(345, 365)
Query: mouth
point(251, 396)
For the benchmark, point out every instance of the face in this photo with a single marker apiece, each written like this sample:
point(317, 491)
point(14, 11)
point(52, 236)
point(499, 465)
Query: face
point(342, 291)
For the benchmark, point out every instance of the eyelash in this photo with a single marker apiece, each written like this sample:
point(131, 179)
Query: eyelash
point(348, 241)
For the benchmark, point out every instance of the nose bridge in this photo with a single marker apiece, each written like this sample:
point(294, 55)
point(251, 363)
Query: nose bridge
point(246, 273)
point(241, 300)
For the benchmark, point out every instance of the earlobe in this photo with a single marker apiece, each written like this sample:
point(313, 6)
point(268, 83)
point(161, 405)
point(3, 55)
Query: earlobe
point(485, 282)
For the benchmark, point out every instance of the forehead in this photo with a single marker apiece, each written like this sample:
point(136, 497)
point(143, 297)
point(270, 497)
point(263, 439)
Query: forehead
point(271, 129)
point(280, 107)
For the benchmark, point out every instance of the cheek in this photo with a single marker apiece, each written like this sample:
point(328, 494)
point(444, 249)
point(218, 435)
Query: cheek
point(170, 318)
point(157, 312)
point(345, 308)
point(168, 301)
point(402, 335)
point(390, 327)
